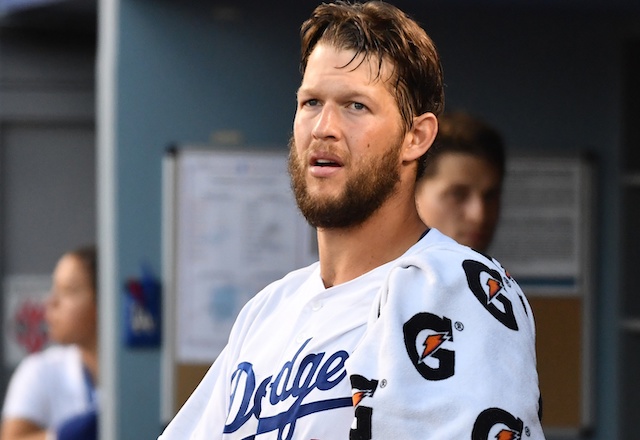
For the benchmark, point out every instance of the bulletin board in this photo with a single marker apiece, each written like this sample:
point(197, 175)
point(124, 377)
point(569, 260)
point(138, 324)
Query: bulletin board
point(545, 239)
point(230, 227)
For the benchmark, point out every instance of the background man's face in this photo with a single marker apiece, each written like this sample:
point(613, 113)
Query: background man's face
point(462, 199)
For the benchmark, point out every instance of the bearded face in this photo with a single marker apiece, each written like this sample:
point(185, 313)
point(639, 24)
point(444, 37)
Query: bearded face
point(370, 183)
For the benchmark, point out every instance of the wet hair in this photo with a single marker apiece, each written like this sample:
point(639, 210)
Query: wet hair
point(460, 132)
point(380, 31)
point(88, 256)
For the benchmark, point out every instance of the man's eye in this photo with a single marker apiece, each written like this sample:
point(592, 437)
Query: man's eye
point(358, 106)
point(459, 194)
point(492, 196)
point(311, 102)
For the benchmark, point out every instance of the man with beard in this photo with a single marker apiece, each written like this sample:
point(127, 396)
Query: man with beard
point(398, 331)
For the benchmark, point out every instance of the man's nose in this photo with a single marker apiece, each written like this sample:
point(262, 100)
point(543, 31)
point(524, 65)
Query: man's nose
point(327, 123)
point(476, 209)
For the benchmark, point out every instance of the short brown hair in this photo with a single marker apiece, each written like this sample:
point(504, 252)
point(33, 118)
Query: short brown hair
point(461, 132)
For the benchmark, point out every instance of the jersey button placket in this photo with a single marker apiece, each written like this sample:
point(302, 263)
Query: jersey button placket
point(302, 336)
point(316, 305)
point(313, 306)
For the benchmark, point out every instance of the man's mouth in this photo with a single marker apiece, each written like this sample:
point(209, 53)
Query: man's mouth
point(325, 163)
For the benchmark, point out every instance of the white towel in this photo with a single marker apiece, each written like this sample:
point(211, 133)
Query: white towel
point(449, 352)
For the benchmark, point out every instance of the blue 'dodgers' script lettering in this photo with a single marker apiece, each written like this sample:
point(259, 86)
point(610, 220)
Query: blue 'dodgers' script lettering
point(293, 383)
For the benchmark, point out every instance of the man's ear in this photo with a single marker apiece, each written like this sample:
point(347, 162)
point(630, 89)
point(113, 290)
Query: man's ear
point(420, 137)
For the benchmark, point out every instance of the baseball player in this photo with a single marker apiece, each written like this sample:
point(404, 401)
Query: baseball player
point(397, 332)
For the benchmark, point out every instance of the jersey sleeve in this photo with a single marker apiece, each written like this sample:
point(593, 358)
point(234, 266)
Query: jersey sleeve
point(449, 353)
point(26, 396)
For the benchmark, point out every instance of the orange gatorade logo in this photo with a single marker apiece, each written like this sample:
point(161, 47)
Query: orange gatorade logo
point(428, 339)
point(362, 388)
point(507, 434)
point(495, 287)
point(496, 423)
point(486, 285)
point(433, 343)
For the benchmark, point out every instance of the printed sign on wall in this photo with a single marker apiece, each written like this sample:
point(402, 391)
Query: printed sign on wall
point(24, 316)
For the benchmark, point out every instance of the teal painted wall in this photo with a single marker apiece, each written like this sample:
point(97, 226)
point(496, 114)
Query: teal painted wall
point(182, 76)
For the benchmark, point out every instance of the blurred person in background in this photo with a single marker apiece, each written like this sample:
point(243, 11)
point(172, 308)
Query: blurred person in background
point(460, 190)
point(52, 394)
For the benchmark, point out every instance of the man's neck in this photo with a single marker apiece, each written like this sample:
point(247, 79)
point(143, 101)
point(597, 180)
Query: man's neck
point(347, 253)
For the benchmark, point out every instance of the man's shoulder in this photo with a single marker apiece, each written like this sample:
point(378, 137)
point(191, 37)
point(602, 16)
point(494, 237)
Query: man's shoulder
point(285, 285)
point(446, 262)
point(440, 255)
point(293, 279)
point(435, 245)
point(301, 274)
point(55, 355)
point(50, 362)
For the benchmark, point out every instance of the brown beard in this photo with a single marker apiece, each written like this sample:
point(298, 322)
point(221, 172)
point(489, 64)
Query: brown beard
point(364, 193)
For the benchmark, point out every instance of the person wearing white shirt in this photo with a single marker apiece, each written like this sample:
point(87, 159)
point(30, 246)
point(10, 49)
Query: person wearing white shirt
point(52, 394)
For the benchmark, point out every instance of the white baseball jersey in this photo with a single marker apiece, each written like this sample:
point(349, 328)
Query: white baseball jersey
point(438, 344)
point(49, 387)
